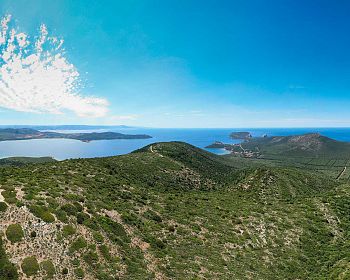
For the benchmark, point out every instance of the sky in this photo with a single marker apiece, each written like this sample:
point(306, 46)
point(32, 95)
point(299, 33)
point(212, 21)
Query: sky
point(183, 63)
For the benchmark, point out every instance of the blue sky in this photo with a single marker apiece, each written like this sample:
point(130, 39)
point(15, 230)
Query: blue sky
point(196, 63)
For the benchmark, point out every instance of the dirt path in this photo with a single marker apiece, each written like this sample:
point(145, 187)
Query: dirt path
point(154, 151)
point(341, 173)
point(241, 147)
point(2, 199)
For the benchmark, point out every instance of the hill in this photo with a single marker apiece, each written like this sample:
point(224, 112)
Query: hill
point(20, 161)
point(171, 211)
point(312, 144)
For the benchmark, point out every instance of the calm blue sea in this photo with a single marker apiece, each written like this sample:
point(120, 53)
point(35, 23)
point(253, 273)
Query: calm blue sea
point(63, 148)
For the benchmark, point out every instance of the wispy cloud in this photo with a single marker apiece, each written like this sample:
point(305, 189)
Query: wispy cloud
point(35, 76)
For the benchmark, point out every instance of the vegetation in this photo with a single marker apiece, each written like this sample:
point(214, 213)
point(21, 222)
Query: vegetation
point(7, 270)
point(49, 268)
point(30, 266)
point(14, 233)
point(20, 161)
point(172, 211)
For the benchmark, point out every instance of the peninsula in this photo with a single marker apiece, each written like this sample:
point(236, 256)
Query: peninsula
point(9, 134)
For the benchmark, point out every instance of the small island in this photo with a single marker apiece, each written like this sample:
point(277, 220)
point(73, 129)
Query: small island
point(10, 134)
point(241, 135)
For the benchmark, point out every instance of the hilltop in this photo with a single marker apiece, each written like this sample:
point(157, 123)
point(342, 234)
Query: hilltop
point(171, 211)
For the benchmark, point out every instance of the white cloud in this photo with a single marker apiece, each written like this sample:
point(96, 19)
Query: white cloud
point(35, 76)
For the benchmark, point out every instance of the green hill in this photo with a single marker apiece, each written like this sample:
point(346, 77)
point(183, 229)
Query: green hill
point(20, 161)
point(306, 145)
point(171, 211)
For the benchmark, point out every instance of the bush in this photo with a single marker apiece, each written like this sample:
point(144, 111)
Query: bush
point(10, 196)
point(98, 237)
point(105, 252)
point(91, 258)
point(79, 273)
point(30, 266)
point(78, 244)
point(151, 215)
point(42, 213)
point(65, 271)
point(61, 215)
point(69, 209)
point(14, 233)
point(68, 230)
point(7, 270)
point(33, 234)
point(49, 268)
point(75, 262)
point(81, 217)
point(3, 206)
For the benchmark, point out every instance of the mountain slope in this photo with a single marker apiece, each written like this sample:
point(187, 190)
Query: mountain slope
point(171, 211)
point(312, 144)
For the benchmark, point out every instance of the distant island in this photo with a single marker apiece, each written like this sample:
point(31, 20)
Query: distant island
point(242, 135)
point(9, 134)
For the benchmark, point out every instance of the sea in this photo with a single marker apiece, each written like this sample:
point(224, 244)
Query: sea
point(62, 149)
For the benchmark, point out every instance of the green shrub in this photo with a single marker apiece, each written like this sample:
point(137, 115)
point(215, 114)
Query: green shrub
point(14, 233)
point(75, 262)
point(79, 273)
point(49, 268)
point(42, 213)
point(68, 230)
point(10, 196)
point(7, 270)
point(151, 215)
point(105, 252)
point(70, 209)
point(3, 206)
point(65, 271)
point(61, 215)
point(78, 244)
point(81, 217)
point(30, 266)
point(91, 258)
point(98, 237)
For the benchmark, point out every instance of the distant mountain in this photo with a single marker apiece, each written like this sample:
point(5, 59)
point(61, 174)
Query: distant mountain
point(9, 134)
